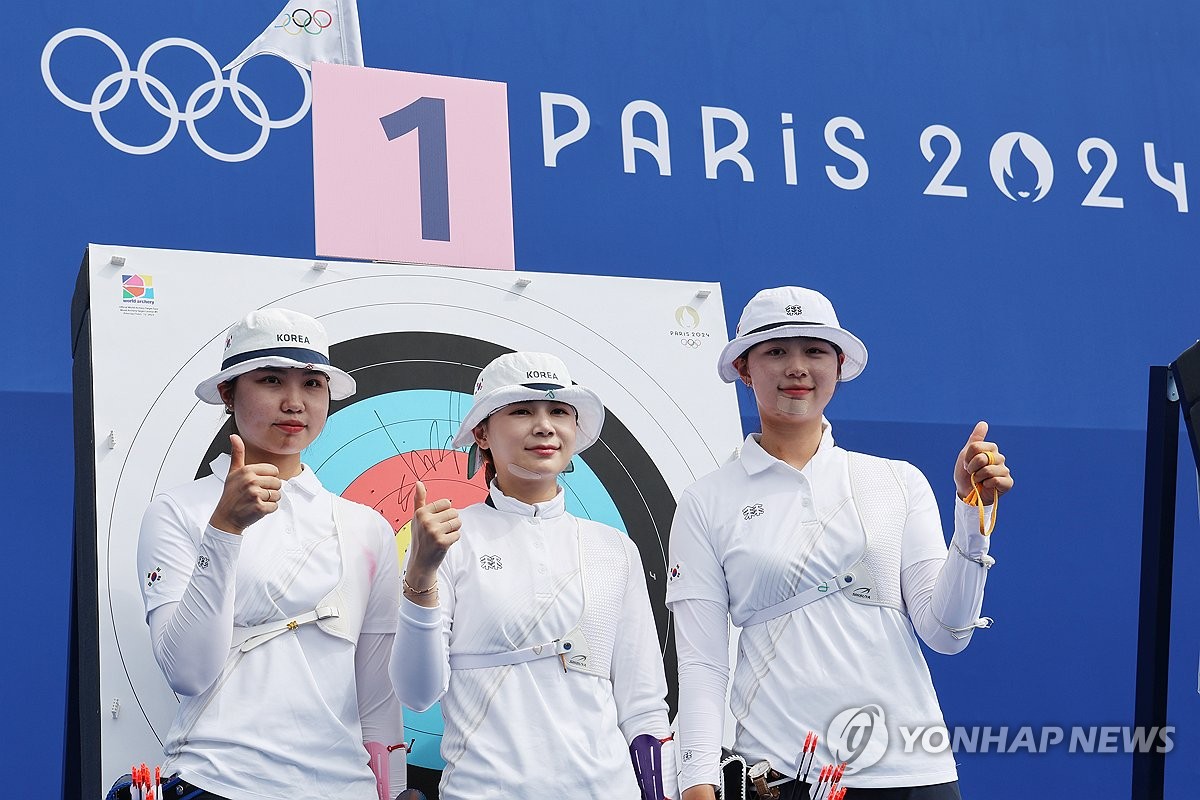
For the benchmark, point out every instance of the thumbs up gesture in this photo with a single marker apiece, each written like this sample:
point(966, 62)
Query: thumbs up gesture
point(251, 491)
point(435, 527)
point(983, 459)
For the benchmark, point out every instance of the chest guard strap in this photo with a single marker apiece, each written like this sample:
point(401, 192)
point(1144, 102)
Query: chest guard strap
point(604, 569)
point(874, 579)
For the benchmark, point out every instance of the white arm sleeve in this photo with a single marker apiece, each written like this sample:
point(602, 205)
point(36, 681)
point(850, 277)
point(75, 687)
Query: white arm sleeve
point(378, 709)
point(945, 596)
point(420, 665)
point(190, 637)
point(702, 643)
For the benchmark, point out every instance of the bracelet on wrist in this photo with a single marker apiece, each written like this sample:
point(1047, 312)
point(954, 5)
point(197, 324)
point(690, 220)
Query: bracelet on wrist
point(408, 587)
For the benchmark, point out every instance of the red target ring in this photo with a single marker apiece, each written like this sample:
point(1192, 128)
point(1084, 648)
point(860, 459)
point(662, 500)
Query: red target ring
point(388, 486)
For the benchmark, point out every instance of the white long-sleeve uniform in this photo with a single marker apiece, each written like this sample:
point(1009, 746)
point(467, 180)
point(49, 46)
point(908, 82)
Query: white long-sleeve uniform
point(288, 719)
point(512, 581)
point(758, 531)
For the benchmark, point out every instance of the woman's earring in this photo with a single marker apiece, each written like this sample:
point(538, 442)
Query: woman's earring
point(228, 408)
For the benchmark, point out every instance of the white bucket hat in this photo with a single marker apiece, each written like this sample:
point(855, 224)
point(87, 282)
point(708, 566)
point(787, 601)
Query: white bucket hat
point(276, 337)
point(791, 311)
point(520, 377)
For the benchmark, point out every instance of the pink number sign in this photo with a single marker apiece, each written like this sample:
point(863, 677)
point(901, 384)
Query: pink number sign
point(411, 167)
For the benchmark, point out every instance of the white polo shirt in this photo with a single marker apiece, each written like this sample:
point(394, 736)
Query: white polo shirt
point(531, 730)
point(758, 531)
point(282, 723)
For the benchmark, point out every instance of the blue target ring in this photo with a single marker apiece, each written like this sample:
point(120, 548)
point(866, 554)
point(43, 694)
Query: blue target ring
point(367, 432)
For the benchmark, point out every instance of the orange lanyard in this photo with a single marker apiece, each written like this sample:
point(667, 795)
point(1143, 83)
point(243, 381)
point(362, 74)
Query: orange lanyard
point(975, 499)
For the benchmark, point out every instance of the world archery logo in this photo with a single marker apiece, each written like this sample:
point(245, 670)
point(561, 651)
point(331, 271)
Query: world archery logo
point(299, 35)
point(135, 288)
point(490, 562)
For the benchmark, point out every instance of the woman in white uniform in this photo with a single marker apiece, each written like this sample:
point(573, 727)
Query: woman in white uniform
point(271, 602)
point(828, 561)
point(532, 626)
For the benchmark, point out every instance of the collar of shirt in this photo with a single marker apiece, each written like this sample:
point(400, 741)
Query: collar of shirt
point(306, 481)
point(554, 507)
point(755, 459)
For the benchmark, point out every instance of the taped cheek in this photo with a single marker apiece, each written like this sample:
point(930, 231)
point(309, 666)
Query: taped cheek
point(793, 405)
point(527, 474)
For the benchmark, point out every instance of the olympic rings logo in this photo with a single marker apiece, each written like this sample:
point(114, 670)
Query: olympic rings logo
point(293, 25)
point(164, 102)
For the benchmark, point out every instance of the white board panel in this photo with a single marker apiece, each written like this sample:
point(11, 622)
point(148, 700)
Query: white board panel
point(414, 336)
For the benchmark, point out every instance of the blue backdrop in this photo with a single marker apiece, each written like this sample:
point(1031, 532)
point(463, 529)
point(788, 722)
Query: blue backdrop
point(1041, 317)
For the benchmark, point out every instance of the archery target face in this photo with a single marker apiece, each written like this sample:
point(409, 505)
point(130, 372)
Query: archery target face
point(414, 338)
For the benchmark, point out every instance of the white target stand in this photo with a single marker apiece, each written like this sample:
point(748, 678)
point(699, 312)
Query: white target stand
point(149, 325)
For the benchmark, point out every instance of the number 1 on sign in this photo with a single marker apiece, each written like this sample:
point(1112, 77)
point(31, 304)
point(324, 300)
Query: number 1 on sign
point(427, 116)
